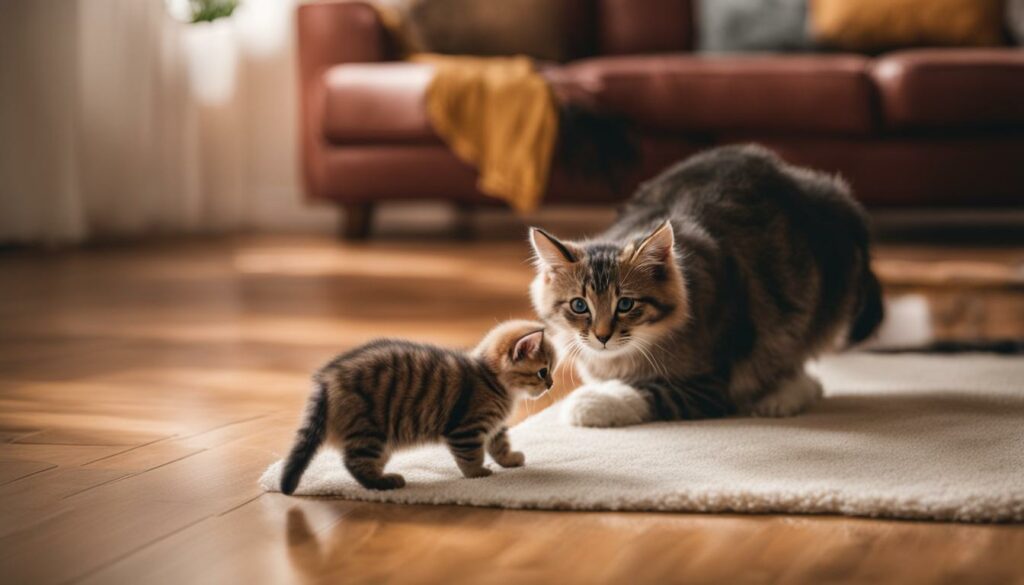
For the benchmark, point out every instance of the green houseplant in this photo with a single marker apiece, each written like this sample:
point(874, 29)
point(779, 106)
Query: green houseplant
point(211, 10)
point(209, 39)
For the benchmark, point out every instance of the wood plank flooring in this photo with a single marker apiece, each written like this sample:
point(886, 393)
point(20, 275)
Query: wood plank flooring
point(144, 388)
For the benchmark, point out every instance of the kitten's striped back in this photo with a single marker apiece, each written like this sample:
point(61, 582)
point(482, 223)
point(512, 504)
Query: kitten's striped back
point(390, 394)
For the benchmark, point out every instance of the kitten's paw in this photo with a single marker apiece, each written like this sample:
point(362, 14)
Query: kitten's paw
point(475, 473)
point(512, 459)
point(388, 481)
point(792, 397)
point(605, 404)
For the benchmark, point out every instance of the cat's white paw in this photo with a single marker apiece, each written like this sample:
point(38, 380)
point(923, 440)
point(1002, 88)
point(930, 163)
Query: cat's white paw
point(605, 404)
point(793, 396)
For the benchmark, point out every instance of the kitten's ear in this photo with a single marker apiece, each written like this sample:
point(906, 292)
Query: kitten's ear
point(527, 345)
point(658, 247)
point(550, 251)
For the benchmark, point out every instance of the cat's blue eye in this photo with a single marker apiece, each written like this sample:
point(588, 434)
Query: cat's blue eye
point(543, 373)
point(625, 305)
point(578, 305)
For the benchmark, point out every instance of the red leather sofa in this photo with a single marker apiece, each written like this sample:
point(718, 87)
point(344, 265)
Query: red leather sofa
point(921, 127)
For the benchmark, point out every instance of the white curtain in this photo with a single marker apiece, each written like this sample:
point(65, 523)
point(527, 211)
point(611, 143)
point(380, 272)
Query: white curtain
point(117, 120)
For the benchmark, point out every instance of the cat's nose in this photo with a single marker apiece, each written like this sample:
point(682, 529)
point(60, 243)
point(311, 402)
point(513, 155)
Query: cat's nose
point(603, 338)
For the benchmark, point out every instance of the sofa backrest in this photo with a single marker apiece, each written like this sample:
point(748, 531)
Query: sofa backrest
point(596, 27)
point(626, 27)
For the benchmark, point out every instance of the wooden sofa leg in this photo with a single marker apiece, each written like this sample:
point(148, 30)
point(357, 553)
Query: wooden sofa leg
point(356, 221)
point(465, 225)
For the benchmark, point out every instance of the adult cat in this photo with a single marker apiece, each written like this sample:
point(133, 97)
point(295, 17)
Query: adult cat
point(718, 281)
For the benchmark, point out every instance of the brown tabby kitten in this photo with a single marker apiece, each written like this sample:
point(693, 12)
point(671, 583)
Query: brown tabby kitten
point(391, 394)
point(719, 280)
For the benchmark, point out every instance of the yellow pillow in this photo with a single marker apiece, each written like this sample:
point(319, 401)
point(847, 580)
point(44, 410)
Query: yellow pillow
point(874, 25)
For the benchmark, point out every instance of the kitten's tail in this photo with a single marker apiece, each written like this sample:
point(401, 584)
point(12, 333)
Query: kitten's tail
point(308, 439)
point(870, 310)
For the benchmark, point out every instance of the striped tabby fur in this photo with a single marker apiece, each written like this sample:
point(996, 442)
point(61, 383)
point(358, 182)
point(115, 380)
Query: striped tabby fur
point(390, 394)
point(719, 280)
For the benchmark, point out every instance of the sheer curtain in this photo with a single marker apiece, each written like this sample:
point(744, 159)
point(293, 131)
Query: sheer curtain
point(116, 120)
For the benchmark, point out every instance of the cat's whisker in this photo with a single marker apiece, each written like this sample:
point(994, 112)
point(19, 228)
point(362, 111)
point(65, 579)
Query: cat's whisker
point(659, 368)
point(667, 353)
point(575, 351)
point(646, 354)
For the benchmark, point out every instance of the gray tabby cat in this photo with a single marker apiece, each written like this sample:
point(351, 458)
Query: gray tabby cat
point(719, 280)
point(390, 394)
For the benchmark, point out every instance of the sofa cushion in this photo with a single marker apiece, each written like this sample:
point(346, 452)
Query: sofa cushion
point(952, 88)
point(876, 25)
point(631, 27)
point(376, 102)
point(743, 26)
point(423, 171)
point(795, 94)
point(916, 171)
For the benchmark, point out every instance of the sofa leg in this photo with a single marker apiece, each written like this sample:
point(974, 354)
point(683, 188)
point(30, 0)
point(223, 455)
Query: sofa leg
point(356, 221)
point(465, 225)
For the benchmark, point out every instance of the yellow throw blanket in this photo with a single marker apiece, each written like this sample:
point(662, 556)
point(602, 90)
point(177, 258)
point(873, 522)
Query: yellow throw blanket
point(498, 114)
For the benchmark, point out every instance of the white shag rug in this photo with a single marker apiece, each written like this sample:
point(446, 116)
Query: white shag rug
point(899, 436)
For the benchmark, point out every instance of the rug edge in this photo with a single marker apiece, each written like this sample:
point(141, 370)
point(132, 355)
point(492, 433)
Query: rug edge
point(816, 503)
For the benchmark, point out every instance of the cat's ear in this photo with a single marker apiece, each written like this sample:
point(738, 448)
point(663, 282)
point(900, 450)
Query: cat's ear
point(550, 251)
point(658, 247)
point(527, 345)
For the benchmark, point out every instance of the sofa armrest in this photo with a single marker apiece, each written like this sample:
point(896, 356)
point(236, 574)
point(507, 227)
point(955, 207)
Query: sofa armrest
point(330, 33)
point(338, 31)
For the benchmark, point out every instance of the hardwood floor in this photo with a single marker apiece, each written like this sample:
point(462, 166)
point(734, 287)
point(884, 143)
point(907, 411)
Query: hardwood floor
point(143, 389)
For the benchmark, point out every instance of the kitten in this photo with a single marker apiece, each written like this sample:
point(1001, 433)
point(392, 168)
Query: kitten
point(391, 394)
point(718, 281)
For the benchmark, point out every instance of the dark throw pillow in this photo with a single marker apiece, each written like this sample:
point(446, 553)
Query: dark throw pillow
point(489, 27)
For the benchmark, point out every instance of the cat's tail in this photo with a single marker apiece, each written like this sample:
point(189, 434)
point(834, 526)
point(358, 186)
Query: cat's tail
point(308, 439)
point(870, 310)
